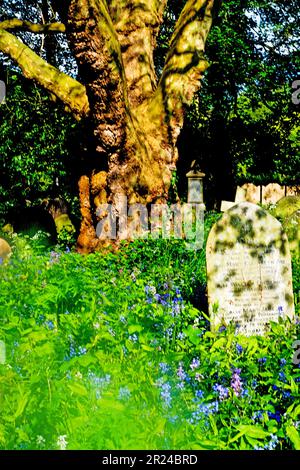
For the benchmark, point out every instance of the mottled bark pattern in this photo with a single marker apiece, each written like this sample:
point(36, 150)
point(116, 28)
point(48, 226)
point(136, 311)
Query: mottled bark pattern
point(134, 119)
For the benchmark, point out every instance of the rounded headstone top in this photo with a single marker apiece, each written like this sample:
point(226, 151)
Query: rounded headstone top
point(246, 223)
point(249, 275)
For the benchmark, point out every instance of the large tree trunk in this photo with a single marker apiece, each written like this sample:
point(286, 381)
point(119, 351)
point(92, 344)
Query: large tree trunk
point(133, 118)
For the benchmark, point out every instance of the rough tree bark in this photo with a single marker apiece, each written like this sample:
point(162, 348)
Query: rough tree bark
point(135, 118)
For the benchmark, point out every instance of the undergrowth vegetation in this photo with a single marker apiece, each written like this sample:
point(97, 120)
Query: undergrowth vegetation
point(114, 351)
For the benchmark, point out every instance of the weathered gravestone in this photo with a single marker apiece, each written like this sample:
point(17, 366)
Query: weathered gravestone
point(249, 270)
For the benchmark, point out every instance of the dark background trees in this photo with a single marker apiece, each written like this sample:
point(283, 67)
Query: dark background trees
point(242, 125)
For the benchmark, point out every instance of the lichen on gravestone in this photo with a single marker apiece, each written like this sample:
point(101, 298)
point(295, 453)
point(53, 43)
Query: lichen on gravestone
point(249, 270)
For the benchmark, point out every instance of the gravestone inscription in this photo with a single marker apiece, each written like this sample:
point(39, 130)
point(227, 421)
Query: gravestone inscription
point(249, 270)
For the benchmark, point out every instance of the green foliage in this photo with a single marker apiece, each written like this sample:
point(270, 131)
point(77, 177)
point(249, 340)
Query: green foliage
point(34, 153)
point(112, 352)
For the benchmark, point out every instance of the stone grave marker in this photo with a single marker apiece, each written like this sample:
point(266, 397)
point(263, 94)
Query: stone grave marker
point(272, 193)
point(249, 270)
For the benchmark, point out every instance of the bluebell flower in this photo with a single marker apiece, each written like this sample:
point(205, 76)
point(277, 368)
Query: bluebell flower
point(257, 415)
point(175, 310)
point(180, 385)
point(181, 336)
point(236, 382)
point(81, 351)
point(282, 376)
point(203, 411)
point(223, 392)
point(199, 394)
point(134, 338)
point(275, 416)
point(262, 360)
point(124, 393)
point(50, 324)
point(280, 310)
point(181, 374)
point(272, 444)
point(169, 332)
point(165, 394)
point(164, 367)
point(282, 362)
point(239, 348)
point(195, 364)
point(222, 328)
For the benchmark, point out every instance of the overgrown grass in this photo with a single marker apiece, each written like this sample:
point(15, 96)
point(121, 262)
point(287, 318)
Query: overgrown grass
point(113, 352)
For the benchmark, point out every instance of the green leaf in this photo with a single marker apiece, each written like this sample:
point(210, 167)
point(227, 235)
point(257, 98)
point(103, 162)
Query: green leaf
point(78, 389)
point(21, 405)
point(134, 329)
point(253, 431)
point(293, 436)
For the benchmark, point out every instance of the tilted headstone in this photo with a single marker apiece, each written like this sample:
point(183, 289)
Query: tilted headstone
point(249, 270)
point(226, 205)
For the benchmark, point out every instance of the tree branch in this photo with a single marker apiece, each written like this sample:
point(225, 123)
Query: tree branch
point(23, 25)
point(93, 39)
point(137, 24)
point(67, 89)
point(185, 64)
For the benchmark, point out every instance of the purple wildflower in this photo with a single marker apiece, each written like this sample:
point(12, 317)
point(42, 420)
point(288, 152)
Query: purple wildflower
point(222, 391)
point(181, 374)
point(195, 364)
point(236, 382)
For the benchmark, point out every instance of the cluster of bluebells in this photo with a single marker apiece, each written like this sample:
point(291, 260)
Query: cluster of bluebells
point(164, 367)
point(257, 416)
point(195, 364)
point(182, 376)
point(270, 445)
point(203, 411)
point(223, 392)
point(99, 382)
point(75, 351)
point(262, 360)
point(134, 338)
point(165, 392)
point(173, 301)
point(276, 416)
point(124, 393)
